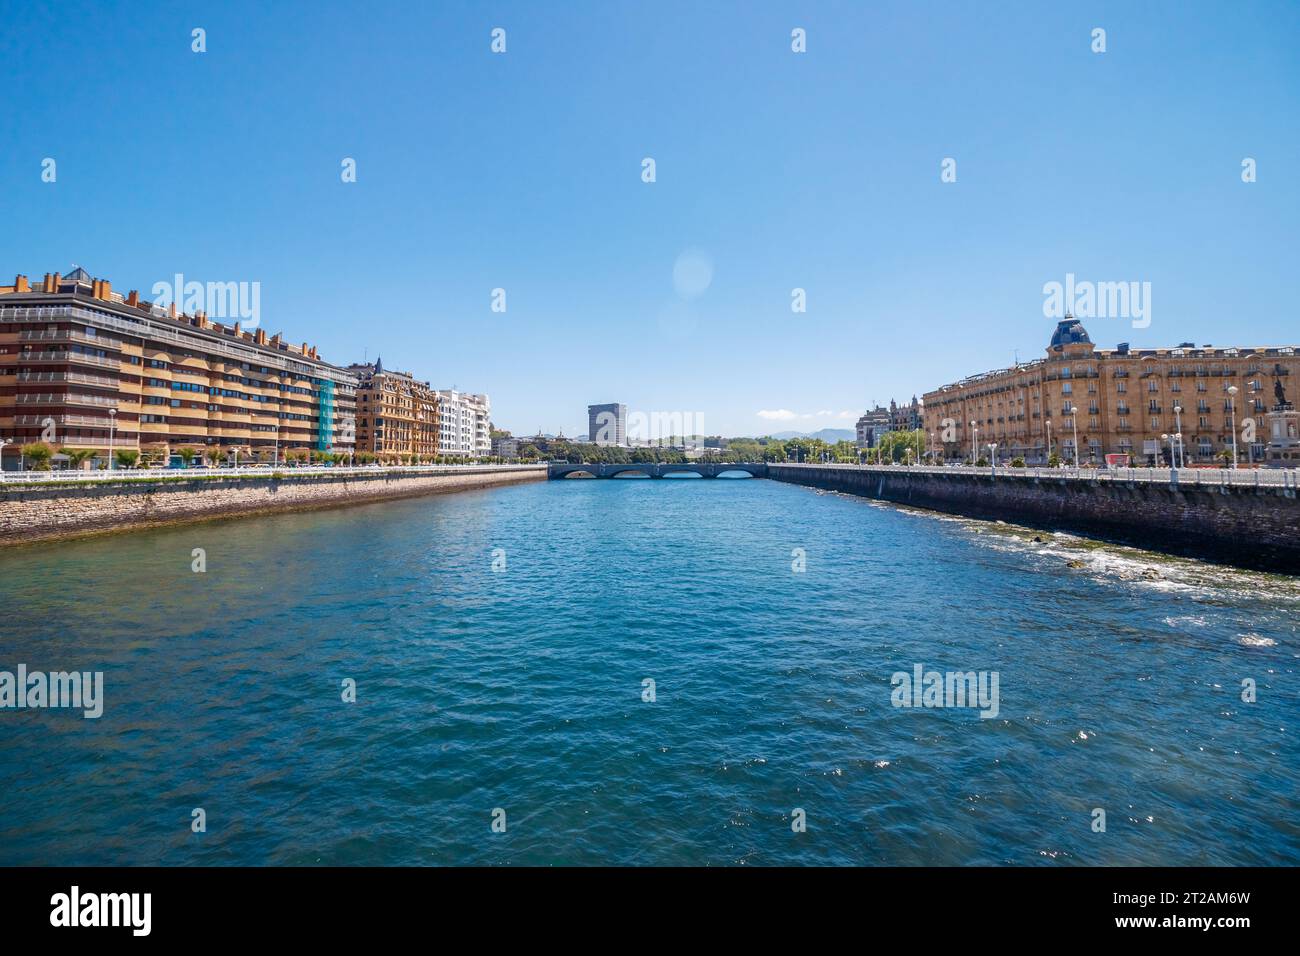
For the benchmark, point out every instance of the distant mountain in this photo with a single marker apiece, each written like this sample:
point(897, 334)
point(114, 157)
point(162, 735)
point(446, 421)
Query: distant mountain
point(828, 435)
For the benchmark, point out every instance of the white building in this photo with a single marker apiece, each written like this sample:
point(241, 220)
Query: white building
point(464, 427)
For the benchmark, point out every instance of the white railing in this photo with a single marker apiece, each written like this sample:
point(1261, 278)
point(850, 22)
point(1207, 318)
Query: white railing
point(250, 471)
point(1255, 477)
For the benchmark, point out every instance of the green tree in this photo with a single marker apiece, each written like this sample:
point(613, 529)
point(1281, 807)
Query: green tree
point(126, 457)
point(39, 454)
point(77, 457)
point(187, 455)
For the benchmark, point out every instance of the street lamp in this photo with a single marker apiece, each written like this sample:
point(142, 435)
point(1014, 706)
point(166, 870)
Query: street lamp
point(1049, 439)
point(993, 458)
point(974, 443)
point(1178, 433)
point(1170, 440)
point(1232, 412)
point(112, 424)
point(1074, 424)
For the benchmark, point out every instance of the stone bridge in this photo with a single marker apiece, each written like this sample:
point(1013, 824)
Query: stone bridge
point(557, 469)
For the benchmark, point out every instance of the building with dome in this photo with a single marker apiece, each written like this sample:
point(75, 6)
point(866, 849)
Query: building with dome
point(1120, 401)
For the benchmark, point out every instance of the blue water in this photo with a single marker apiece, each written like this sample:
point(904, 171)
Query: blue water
point(521, 689)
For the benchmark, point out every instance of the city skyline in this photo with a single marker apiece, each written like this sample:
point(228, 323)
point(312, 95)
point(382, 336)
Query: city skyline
point(832, 160)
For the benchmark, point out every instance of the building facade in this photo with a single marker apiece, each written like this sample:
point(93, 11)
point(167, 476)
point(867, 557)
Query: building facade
point(464, 424)
point(896, 418)
point(1120, 401)
point(85, 367)
point(397, 416)
point(872, 424)
point(607, 424)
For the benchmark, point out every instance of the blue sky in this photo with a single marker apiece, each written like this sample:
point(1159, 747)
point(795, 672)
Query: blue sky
point(780, 170)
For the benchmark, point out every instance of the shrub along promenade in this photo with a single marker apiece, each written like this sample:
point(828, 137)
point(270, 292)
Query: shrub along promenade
point(68, 504)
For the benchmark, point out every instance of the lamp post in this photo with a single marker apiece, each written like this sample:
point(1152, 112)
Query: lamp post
point(1178, 433)
point(1049, 439)
point(993, 458)
point(930, 452)
point(112, 425)
point(1170, 440)
point(1074, 424)
point(1232, 412)
point(974, 443)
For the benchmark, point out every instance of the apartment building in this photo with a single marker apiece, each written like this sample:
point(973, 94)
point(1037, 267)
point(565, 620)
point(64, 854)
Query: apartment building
point(397, 416)
point(86, 367)
point(1114, 401)
point(875, 422)
point(464, 424)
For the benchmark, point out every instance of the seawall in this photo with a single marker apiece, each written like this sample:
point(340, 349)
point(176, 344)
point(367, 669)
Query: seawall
point(1256, 527)
point(38, 513)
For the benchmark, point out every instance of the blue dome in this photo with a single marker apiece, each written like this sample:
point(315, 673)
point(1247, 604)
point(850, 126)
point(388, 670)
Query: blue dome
point(1069, 331)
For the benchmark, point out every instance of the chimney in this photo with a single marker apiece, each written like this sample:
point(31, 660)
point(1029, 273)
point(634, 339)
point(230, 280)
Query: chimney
point(275, 339)
point(105, 289)
point(236, 330)
point(133, 298)
point(304, 348)
point(49, 283)
point(57, 279)
point(203, 322)
point(20, 284)
point(260, 337)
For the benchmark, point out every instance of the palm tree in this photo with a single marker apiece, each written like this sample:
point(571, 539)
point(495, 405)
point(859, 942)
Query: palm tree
point(214, 454)
point(77, 457)
point(126, 457)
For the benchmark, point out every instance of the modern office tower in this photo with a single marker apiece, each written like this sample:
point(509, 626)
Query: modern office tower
point(607, 424)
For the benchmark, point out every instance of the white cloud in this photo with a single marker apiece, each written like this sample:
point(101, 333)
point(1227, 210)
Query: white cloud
point(779, 415)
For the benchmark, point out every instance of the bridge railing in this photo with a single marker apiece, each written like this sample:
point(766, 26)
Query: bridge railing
point(1240, 477)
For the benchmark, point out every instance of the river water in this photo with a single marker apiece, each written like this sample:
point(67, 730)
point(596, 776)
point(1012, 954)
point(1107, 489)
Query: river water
point(681, 671)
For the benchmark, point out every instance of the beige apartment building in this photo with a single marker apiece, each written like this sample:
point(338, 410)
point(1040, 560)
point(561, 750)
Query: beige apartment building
point(85, 367)
point(397, 416)
point(1116, 401)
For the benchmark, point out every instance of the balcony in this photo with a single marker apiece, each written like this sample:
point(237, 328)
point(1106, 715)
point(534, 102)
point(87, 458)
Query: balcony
point(65, 358)
point(78, 420)
point(79, 378)
point(70, 335)
point(65, 398)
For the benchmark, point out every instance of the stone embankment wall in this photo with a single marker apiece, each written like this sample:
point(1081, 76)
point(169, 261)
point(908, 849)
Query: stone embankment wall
point(1234, 524)
point(36, 513)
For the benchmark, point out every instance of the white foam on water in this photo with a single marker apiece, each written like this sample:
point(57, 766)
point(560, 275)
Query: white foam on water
point(1255, 640)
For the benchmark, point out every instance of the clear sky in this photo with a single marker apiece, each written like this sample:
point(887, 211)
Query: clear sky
point(774, 170)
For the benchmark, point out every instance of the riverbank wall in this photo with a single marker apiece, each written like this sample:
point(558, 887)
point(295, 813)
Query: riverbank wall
point(36, 512)
point(1238, 524)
